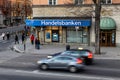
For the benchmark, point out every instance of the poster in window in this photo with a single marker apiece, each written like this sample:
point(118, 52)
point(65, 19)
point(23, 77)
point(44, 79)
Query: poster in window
point(47, 35)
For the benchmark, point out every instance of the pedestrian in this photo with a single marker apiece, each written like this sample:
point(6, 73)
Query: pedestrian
point(3, 36)
point(8, 35)
point(32, 39)
point(16, 39)
point(23, 37)
point(37, 43)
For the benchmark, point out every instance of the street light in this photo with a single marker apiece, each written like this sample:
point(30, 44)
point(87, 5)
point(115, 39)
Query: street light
point(97, 25)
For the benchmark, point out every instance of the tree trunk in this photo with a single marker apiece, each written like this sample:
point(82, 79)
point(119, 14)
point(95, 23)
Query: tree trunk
point(97, 26)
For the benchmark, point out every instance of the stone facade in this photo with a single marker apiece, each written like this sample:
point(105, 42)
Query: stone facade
point(111, 11)
point(62, 11)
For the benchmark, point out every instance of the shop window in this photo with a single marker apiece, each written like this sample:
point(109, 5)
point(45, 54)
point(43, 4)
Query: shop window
point(77, 36)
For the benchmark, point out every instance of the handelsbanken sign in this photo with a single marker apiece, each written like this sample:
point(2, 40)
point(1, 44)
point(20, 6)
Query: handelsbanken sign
point(58, 22)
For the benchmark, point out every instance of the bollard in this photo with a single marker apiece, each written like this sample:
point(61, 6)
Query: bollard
point(67, 47)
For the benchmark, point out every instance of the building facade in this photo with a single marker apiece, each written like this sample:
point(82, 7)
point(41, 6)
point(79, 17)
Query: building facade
point(73, 22)
point(14, 11)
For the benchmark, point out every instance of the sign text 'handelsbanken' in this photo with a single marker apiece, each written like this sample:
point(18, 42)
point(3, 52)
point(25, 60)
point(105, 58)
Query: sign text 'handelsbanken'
point(58, 22)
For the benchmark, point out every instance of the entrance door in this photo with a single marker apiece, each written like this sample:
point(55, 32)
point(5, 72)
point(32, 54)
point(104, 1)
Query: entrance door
point(107, 38)
point(55, 35)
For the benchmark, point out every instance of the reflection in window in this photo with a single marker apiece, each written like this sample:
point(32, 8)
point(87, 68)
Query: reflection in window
point(113, 38)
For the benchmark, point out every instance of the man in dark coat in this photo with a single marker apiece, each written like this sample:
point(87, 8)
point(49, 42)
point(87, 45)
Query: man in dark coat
point(37, 43)
point(8, 35)
point(16, 39)
point(23, 37)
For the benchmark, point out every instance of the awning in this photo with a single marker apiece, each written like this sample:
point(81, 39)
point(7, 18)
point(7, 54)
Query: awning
point(58, 22)
point(107, 23)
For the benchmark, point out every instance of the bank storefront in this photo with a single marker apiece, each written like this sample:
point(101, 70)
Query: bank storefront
point(62, 30)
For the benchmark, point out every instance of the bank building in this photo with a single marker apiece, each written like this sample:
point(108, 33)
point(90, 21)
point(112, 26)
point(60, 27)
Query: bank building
point(73, 22)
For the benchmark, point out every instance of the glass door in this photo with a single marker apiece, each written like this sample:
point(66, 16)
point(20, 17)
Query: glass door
point(107, 38)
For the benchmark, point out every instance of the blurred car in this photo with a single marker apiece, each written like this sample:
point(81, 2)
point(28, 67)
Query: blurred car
point(86, 54)
point(71, 63)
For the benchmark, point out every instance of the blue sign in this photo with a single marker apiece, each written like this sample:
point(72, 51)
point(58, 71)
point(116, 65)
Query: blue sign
point(58, 22)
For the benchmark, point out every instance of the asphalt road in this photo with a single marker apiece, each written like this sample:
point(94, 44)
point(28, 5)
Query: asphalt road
point(9, 74)
point(102, 69)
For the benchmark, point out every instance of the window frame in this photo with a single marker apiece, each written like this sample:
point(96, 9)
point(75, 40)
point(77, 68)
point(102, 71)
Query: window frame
point(106, 2)
point(54, 2)
point(78, 2)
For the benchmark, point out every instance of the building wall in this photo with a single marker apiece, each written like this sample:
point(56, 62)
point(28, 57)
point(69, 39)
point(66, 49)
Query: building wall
point(60, 2)
point(116, 1)
point(46, 2)
point(62, 11)
point(111, 11)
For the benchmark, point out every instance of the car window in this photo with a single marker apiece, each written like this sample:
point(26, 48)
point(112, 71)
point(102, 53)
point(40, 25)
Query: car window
point(59, 58)
point(67, 58)
point(66, 52)
point(75, 52)
point(63, 58)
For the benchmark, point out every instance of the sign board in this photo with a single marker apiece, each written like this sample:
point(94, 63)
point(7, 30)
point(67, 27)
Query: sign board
point(58, 22)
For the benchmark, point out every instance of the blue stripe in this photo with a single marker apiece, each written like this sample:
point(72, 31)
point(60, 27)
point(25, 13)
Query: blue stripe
point(58, 22)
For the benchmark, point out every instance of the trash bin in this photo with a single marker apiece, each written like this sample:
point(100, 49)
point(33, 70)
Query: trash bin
point(67, 47)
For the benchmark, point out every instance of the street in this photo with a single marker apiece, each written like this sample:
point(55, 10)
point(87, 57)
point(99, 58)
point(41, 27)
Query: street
point(9, 74)
point(85, 33)
point(25, 63)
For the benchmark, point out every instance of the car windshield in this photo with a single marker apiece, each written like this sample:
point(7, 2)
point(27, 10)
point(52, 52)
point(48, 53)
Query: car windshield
point(74, 53)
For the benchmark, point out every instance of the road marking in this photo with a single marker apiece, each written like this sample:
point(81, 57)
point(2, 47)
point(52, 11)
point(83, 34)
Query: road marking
point(67, 75)
point(64, 75)
point(103, 69)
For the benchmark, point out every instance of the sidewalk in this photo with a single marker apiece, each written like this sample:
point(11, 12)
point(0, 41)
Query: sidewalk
point(106, 52)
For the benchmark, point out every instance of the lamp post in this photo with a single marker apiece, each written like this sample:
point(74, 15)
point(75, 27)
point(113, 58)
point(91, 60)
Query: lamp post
point(97, 25)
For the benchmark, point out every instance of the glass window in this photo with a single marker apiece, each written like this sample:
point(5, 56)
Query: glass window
point(67, 58)
point(106, 1)
point(74, 53)
point(59, 58)
point(52, 2)
point(63, 58)
point(77, 2)
point(79, 35)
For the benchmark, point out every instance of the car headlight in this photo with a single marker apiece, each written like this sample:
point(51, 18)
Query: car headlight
point(49, 57)
point(80, 48)
point(38, 62)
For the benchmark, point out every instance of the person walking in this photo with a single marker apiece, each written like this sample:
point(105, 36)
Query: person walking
point(16, 39)
point(3, 36)
point(23, 37)
point(37, 43)
point(8, 35)
point(32, 39)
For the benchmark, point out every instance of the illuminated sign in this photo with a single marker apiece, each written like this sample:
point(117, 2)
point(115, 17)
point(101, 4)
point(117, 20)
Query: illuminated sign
point(58, 22)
